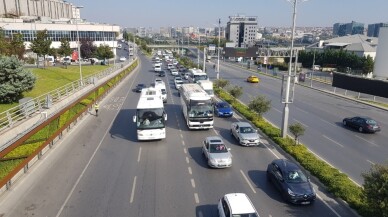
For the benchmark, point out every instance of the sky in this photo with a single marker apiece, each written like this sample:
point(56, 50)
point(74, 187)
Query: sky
point(205, 13)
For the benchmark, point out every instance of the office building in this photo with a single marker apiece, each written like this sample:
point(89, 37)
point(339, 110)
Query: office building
point(353, 28)
point(374, 29)
point(241, 30)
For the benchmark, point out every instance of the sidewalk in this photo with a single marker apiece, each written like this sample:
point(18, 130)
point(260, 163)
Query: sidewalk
point(10, 135)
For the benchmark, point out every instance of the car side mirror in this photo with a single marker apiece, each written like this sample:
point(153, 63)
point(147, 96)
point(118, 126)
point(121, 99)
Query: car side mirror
point(134, 119)
point(165, 117)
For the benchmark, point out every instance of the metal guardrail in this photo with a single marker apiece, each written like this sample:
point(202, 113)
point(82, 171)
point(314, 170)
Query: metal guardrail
point(36, 106)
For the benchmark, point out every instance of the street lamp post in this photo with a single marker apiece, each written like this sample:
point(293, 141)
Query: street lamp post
point(79, 49)
point(288, 85)
point(218, 53)
point(204, 59)
point(198, 51)
point(311, 76)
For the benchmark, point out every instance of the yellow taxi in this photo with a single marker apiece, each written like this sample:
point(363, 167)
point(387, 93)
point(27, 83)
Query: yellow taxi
point(253, 79)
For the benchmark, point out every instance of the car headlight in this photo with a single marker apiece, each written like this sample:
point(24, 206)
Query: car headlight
point(290, 192)
point(213, 161)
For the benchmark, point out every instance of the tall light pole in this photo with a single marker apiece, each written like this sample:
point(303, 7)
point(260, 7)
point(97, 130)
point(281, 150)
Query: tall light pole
point(204, 59)
point(311, 76)
point(198, 51)
point(218, 53)
point(288, 85)
point(113, 47)
point(79, 48)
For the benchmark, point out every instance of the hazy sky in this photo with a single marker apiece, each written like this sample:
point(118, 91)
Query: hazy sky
point(205, 13)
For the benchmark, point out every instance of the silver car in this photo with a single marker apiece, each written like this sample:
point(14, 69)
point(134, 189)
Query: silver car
point(245, 134)
point(216, 152)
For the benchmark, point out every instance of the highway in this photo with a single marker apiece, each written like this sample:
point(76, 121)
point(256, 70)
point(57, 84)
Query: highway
point(321, 114)
point(100, 169)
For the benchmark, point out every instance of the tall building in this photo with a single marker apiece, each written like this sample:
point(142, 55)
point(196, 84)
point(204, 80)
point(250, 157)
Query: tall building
point(353, 28)
point(374, 29)
point(241, 30)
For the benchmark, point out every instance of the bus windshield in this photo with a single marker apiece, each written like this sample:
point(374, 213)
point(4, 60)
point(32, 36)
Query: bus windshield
point(200, 109)
point(200, 77)
point(150, 118)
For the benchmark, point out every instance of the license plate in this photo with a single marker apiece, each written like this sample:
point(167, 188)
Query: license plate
point(305, 202)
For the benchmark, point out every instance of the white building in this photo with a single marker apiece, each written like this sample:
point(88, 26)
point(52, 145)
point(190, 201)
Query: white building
point(242, 30)
point(381, 63)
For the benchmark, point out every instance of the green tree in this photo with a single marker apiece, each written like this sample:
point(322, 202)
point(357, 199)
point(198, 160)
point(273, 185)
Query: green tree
point(104, 52)
point(376, 190)
point(221, 83)
point(14, 79)
point(260, 104)
point(4, 43)
point(88, 49)
point(236, 91)
point(64, 49)
point(297, 130)
point(41, 45)
point(367, 65)
point(17, 47)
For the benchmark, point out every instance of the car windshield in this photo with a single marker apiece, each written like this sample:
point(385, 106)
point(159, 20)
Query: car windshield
point(179, 81)
point(217, 148)
point(246, 130)
point(223, 105)
point(150, 118)
point(371, 122)
point(296, 177)
point(245, 215)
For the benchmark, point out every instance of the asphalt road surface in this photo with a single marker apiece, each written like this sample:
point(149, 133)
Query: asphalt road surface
point(100, 169)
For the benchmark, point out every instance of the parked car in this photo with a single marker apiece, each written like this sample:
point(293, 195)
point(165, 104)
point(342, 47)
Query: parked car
point(245, 134)
point(253, 79)
point(223, 109)
point(292, 183)
point(362, 124)
point(139, 87)
point(236, 204)
point(216, 152)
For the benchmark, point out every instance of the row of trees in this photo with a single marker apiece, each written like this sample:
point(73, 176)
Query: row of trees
point(13, 46)
point(340, 59)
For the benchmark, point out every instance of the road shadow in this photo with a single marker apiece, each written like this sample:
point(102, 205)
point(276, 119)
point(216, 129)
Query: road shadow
point(123, 126)
point(259, 179)
point(208, 210)
point(198, 157)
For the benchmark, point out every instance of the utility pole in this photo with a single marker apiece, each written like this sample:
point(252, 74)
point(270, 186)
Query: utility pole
point(218, 54)
point(198, 51)
point(204, 59)
point(288, 85)
point(311, 76)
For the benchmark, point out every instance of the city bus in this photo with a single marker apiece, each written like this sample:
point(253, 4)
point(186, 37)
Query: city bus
point(197, 107)
point(150, 115)
point(196, 75)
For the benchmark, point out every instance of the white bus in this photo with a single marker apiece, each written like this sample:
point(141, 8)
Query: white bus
point(197, 107)
point(196, 75)
point(150, 116)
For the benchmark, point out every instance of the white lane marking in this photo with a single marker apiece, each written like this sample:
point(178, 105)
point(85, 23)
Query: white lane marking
point(336, 213)
point(196, 198)
point(371, 162)
point(138, 156)
point(181, 136)
point(305, 125)
point(247, 180)
point(190, 171)
point(187, 160)
point(277, 157)
point(337, 143)
point(306, 112)
point(277, 110)
point(183, 143)
point(374, 144)
point(328, 122)
point(192, 183)
point(133, 189)
point(185, 150)
point(215, 131)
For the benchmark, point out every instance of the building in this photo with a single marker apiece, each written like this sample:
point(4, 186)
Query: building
point(241, 30)
point(374, 29)
point(61, 19)
point(353, 28)
point(381, 63)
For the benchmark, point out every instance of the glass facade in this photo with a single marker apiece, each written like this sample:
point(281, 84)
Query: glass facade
point(29, 35)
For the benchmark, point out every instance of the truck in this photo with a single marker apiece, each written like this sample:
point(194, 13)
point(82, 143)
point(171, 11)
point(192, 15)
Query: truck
point(207, 86)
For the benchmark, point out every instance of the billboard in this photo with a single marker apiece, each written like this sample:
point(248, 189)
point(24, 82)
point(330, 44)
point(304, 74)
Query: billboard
point(212, 47)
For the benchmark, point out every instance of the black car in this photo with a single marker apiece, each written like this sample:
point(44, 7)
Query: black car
point(362, 124)
point(162, 74)
point(292, 183)
point(139, 87)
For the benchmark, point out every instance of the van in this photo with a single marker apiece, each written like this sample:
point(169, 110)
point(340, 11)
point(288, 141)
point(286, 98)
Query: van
point(162, 88)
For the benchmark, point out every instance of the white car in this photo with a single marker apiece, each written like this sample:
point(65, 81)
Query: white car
point(174, 72)
point(216, 152)
point(236, 204)
point(158, 68)
point(178, 82)
point(245, 134)
point(123, 59)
